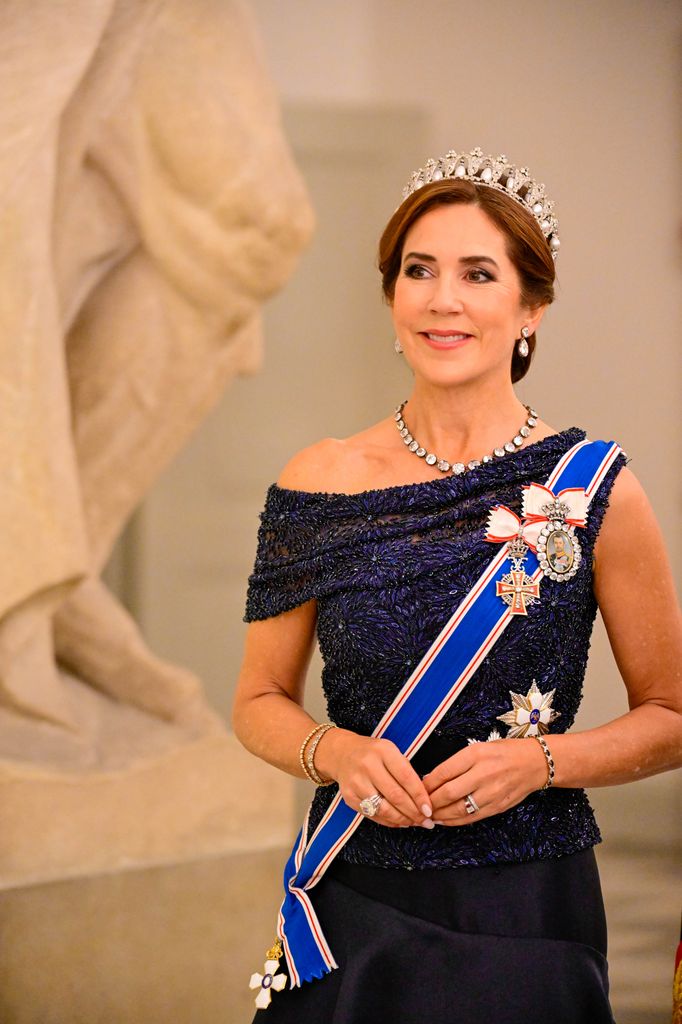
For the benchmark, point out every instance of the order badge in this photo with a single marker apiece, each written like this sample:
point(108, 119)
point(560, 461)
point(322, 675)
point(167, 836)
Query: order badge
point(558, 550)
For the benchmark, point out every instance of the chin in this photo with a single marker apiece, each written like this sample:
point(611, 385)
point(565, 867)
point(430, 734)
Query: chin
point(448, 376)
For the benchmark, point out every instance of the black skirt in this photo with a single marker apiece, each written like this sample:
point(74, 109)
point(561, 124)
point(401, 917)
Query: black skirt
point(504, 944)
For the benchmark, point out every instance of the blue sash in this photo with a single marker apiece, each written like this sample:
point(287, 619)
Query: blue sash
point(430, 691)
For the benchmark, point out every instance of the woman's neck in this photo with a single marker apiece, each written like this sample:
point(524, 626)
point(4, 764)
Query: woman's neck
point(463, 422)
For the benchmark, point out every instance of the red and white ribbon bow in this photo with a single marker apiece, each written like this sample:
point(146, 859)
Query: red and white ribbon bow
point(535, 496)
point(504, 525)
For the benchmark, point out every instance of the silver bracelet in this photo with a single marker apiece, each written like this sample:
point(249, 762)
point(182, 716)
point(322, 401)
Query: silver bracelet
point(550, 763)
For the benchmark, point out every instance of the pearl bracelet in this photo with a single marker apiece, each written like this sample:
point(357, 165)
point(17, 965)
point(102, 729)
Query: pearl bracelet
point(550, 763)
point(307, 763)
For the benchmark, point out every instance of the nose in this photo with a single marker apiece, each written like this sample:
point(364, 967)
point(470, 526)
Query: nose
point(445, 297)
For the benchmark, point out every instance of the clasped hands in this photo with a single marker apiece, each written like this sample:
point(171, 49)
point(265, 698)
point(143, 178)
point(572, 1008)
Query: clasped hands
point(499, 774)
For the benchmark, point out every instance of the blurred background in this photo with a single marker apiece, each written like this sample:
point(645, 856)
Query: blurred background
point(588, 96)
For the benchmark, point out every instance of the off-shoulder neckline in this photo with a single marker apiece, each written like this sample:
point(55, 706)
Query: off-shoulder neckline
point(575, 434)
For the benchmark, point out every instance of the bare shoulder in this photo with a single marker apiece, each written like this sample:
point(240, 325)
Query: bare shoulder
point(312, 468)
point(627, 498)
point(337, 465)
point(629, 522)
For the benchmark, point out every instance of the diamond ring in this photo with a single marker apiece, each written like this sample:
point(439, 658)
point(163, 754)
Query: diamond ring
point(370, 805)
point(470, 804)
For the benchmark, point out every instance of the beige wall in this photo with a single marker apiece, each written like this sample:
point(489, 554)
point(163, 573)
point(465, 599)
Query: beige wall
point(589, 96)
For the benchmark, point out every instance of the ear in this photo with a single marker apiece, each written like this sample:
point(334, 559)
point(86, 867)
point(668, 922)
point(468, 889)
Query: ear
point(534, 315)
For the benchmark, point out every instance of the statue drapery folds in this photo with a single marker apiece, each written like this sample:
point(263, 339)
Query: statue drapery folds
point(149, 204)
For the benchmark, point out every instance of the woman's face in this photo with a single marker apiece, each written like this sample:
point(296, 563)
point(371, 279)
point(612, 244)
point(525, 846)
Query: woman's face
point(457, 303)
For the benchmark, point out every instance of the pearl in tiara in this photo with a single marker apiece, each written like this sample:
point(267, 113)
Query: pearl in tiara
point(493, 172)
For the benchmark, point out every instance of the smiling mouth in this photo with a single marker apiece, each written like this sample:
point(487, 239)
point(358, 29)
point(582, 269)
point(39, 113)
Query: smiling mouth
point(445, 339)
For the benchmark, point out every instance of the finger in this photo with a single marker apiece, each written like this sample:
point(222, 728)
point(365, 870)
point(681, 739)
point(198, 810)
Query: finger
point(406, 777)
point(460, 813)
point(387, 813)
point(400, 821)
point(385, 770)
point(453, 791)
point(490, 798)
point(399, 797)
point(449, 769)
point(389, 816)
point(457, 816)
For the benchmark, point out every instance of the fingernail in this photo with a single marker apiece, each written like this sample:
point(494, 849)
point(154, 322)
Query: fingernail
point(427, 810)
point(427, 823)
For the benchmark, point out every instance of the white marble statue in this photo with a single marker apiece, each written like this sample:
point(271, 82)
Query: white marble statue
point(148, 205)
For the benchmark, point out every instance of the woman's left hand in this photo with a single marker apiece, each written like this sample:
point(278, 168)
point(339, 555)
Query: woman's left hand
point(498, 775)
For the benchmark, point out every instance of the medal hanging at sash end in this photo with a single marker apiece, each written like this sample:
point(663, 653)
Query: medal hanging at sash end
point(269, 979)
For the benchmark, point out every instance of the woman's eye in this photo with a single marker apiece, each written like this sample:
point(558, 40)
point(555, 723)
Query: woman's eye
point(417, 270)
point(476, 274)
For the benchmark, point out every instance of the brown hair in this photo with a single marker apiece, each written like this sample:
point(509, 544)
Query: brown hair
point(527, 247)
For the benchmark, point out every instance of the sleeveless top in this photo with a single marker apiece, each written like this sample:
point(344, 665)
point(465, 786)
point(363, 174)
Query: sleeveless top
point(387, 569)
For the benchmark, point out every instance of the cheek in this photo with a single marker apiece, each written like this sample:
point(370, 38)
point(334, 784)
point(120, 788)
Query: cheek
point(500, 315)
point(403, 303)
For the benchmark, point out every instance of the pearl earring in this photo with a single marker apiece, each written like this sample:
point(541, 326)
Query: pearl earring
point(522, 347)
point(397, 346)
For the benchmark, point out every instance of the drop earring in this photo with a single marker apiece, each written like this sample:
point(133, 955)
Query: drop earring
point(397, 346)
point(522, 347)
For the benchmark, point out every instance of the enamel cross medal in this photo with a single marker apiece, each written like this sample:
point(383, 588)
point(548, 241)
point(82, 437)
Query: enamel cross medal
point(516, 588)
point(269, 979)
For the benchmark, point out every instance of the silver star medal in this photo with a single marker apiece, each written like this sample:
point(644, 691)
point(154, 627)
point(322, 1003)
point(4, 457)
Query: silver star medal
point(531, 714)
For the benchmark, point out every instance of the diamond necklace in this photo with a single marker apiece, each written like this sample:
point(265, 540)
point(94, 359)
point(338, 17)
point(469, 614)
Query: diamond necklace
point(460, 467)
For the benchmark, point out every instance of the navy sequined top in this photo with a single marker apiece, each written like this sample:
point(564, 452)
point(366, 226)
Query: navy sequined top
point(387, 568)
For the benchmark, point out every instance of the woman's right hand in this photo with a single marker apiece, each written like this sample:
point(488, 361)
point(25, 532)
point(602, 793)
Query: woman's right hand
point(363, 765)
point(269, 719)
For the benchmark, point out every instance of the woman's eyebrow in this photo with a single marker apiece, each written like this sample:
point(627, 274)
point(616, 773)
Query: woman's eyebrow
point(467, 260)
point(419, 256)
point(479, 259)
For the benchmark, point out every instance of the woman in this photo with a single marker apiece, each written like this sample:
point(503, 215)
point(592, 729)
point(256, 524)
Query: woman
point(423, 553)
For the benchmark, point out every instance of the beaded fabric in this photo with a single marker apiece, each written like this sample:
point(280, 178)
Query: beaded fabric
point(387, 568)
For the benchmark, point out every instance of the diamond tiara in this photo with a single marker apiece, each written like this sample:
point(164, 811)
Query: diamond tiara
point(494, 172)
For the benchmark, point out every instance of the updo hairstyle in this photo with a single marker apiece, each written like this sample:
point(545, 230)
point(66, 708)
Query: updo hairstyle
point(527, 247)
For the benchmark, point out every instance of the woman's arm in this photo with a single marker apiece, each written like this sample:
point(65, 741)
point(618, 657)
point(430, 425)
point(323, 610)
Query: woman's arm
point(635, 591)
point(634, 588)
point(268, 716)
point(269, 720)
